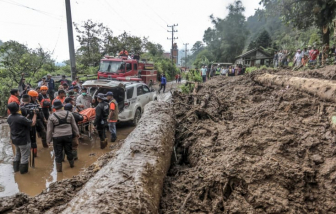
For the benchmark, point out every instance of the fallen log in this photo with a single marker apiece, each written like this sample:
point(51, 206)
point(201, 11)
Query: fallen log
point(132, 182)
point(325, 89)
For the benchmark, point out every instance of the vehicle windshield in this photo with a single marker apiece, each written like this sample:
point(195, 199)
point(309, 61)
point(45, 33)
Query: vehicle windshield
point(111, 66)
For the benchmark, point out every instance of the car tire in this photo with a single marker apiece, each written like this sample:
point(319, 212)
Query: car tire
point(137, 117)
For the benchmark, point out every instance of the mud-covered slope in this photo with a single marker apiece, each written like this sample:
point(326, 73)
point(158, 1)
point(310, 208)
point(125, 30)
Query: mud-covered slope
point(246, 148)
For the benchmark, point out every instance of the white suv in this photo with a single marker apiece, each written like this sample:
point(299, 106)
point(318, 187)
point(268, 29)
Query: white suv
point(131, 96)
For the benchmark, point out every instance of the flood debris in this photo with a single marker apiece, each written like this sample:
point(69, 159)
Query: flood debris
point(247, 147)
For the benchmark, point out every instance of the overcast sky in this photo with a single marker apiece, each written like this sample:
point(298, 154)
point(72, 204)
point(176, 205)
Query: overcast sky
point(43, 22)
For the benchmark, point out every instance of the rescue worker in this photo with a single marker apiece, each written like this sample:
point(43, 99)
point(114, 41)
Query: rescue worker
point(14, 97)
point(45, 101)
point(20, 131)
point(113, 115)
point(61, 126)
point(76, 90)
point(61, 96)
point(78, 117)
point(22, 86)
point(100, 122)
point(84, 100)
point(40, 120)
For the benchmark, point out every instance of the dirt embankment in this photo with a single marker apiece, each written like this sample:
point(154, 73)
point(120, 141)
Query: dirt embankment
point(247, 148)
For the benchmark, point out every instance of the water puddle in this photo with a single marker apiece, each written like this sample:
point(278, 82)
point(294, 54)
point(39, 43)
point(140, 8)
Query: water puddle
point(44, 173)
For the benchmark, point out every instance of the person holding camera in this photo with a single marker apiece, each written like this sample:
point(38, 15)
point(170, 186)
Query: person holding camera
point(61, 128)
point(20, 134)
point(27, 110)
point(40, 120)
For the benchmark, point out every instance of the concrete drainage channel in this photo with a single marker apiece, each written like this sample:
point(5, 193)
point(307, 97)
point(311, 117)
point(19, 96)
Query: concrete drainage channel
point(127, 181)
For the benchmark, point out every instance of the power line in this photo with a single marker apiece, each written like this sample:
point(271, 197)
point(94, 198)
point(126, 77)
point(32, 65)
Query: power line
point(154, 12)
point(33, 9)
point(122, 18)
point(172, 38)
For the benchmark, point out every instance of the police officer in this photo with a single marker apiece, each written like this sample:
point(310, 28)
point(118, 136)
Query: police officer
point(61, 126)
point(20, 134)
point(113, 115)
point(102, 112)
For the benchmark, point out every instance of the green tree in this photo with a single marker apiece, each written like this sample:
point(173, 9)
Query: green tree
point(264, 40)
point(303, 14)
point(198, 46)
point(252, 45)
point(227, 39)
point(90, 40)
point(203, 58)
point(15, 59)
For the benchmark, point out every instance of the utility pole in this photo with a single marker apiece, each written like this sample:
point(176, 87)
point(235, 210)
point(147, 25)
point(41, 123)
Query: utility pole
point(71, 40)
point(172, 38)
point(186, 55)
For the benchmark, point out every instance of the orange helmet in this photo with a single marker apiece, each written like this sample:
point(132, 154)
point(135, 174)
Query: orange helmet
point(43, 87)
point(33, 93)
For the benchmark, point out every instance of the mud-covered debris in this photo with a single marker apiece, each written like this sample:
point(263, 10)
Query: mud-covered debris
point(251, 149)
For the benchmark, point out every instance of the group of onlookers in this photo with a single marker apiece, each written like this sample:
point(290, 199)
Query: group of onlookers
point(304, 57)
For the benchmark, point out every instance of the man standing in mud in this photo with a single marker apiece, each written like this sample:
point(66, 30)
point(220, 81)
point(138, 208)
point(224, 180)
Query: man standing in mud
point(60, 130)
point(100, 122)
point(20, 134)
point(113, 115)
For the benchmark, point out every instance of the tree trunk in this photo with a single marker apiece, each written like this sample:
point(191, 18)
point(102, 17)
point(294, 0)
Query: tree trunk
point(326, 36)
point(325, 89)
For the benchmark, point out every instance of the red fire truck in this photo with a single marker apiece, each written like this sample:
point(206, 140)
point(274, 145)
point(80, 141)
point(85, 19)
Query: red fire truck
point(123, 68)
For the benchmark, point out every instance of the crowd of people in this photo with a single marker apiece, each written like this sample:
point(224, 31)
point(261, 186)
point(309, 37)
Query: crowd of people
point(54, 116)
point(305, 57)
point(208, 73)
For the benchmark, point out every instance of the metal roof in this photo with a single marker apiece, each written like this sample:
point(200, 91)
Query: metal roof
point(254, 50)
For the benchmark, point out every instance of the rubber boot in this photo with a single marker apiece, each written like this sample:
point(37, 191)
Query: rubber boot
point(63, 155)
point(24, 168)
point(103, 144)
point(16, 166)
point(44, 143)
point(113, 139)
point(59, 167)
point(74, 154)
point(72, 163)
point(35, 152)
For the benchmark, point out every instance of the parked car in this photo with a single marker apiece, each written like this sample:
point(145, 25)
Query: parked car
point(131, 97)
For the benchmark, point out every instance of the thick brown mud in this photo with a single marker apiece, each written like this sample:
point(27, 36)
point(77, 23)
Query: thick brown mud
point(41, 178)
point(243, 147)
point(44, 173)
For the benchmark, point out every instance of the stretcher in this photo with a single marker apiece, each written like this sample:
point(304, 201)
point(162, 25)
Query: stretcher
point(86, 127)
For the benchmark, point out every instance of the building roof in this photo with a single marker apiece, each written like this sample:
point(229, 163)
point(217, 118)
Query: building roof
point(254, 50)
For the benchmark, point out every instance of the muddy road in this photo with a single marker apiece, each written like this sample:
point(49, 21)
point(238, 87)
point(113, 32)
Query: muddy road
point(44, 173)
